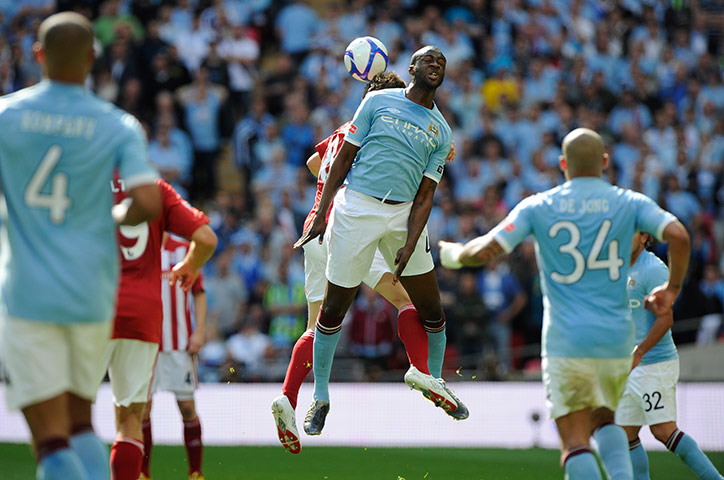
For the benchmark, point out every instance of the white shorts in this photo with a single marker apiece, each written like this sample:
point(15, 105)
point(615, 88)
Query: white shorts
point(130, 368)
point(176, 372)
point(650, 396)
point(361, 224)
point(315, 263)
point(574, 384)
point(43, 360)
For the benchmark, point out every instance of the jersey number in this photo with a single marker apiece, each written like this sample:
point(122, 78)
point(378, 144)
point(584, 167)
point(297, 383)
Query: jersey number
point(648, 399)
point(140, 233)
point(57, 200)
point(613, 263)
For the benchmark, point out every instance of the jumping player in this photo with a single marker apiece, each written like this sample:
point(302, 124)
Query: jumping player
point(398, 142)
point(139, 315)
point(59, 260)
point(176, 370)
point(650, 395)
point(379, 278)
point(583, 230)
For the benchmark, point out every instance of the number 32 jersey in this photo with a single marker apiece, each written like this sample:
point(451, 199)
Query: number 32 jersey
point(583, 231)
point(139, 313)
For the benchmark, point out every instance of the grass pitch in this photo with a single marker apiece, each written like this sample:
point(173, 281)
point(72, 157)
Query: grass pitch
point(326, 463)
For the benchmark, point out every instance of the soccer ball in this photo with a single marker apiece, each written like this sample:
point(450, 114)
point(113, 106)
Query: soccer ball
point(365, 57)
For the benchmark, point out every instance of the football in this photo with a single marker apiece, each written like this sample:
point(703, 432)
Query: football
point(365, 57)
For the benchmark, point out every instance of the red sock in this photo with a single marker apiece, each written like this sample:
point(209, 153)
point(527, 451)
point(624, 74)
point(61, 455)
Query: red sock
point(413, 335)
point(147, 445)
point(194, 447)
point(126, 458)
point(299, 366)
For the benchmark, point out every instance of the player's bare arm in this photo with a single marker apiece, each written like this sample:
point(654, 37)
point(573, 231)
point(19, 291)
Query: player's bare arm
point(143, 204)
point(419, 214)
point(314, 163)
point(196, 340)
point(662, 325)
point(203, 244)
point(476, 253)
point(337, 173)
point(663, 297)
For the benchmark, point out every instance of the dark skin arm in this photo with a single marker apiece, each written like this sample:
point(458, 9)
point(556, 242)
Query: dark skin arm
point(419, 213)
point(662, 325)
point(476, 253)
point(337, 173)
point(663, 297)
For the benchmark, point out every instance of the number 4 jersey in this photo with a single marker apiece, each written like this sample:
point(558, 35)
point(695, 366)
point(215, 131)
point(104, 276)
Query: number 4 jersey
point(139, 313)
point(583, 231)
point(60, 146)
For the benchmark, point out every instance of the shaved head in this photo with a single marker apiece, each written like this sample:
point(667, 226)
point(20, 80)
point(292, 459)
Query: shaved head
point(65, 41)
point(584, 153)
point(426, 50)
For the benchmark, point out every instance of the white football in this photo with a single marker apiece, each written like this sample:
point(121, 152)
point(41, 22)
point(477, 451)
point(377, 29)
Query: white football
point(365, 57)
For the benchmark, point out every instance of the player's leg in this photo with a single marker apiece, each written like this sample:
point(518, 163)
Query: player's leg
point(611, 444)
point(89, 346)
point(130, 370)
point(409, 323)
point(639, 459)
point(686, 448)
point(28, 348)
point(147, 433)
point(577, 458)
point(610, 439)
point(192, 433)
point(49, 424)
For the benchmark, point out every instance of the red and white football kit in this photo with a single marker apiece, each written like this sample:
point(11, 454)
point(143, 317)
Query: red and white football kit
point(139, 312)
point(315, 255)
point(175, 367)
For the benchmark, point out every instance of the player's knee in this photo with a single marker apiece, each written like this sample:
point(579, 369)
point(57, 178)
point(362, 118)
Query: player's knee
point(430, 311)
point(601, 417)
point(187, 410)
point(662, 432)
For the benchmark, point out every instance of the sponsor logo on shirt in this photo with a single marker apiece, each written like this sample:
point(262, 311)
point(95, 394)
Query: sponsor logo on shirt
point(440, 169)
point(509, 227)
point(352, 129)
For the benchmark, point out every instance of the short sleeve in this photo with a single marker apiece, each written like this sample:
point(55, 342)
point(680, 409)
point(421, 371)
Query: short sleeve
point(436, 164)
point(362, 121)
point(516, 226)
point(657, 275)
point(179, 217)
point(198, 285)
point(321, 147)
point(651, 218)
point(133, 162)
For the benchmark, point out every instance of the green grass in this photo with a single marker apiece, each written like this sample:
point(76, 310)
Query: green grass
point(272, 463)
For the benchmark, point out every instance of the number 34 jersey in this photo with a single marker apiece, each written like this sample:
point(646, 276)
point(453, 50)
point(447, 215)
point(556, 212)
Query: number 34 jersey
point(60, 146)
point(139, 313)
point(583, 231)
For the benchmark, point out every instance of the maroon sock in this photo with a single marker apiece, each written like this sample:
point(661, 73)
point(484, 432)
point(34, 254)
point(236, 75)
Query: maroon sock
point(299, 366)
point(413, 335)
point(147, 445)
point(50, 445)
point(194, 447)
point(126, 458)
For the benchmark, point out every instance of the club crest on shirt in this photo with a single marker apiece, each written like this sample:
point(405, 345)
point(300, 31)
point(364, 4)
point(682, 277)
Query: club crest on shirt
point(434, 129)
point(631, 282)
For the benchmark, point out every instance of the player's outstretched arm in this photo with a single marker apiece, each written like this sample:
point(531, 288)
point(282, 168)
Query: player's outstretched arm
point(476, 253)
point(663, 297)
point(314, 163)
point(337, 173)
point(196, 340)
point(143, 204)
point(203, 244)
point(661, 325)
point(416, 221)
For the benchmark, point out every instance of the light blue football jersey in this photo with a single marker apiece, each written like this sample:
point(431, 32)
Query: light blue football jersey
point(647, 273)
point(58, 256)
point(583, 231)
point(400, 142)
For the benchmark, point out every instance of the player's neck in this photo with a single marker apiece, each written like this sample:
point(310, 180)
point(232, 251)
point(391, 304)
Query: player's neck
point(635, 255)
point(421, 95)
point(67, 78)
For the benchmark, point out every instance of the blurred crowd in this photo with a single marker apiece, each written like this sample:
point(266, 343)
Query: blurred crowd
point(257, 83)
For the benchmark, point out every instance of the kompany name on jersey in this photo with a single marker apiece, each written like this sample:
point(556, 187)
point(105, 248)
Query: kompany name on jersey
point(55, 124)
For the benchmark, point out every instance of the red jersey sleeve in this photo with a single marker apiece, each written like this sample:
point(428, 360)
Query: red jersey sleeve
point(178, 216)
point(321, 147)
point(198, 285)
